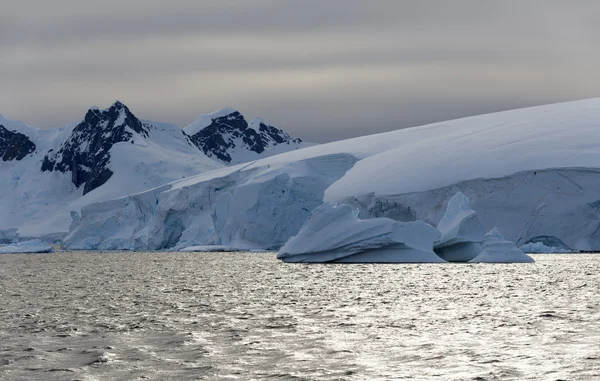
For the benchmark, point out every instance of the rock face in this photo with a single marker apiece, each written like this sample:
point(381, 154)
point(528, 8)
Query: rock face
point(462, 232)
point(498, 250)
point(333, 233)
point(86, 152)
point(14, 145)
point(226, 136)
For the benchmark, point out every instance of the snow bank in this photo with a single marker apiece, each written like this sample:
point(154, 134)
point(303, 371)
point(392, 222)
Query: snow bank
point(32, 246)
point(462, 232)
point(333, 233)
point(498, 250)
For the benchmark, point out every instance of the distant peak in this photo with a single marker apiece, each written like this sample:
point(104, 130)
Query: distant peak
point(206, 120)
point(220, 113)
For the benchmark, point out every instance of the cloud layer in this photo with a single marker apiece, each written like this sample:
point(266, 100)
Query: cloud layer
point(323, 70)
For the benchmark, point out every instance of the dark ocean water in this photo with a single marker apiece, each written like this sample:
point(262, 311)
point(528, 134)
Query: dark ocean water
point(246, 316)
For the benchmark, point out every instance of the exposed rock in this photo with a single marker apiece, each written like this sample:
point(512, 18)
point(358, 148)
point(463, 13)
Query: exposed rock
point(14, 145)
point(86, 153)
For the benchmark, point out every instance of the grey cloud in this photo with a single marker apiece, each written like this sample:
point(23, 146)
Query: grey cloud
point(322, 69)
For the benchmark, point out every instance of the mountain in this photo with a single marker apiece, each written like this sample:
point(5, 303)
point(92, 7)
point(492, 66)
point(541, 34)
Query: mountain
point(14, 145)
point(225, 135)
point(533, 173)
point(108, 154)
point(46, 174)
point(86, 152)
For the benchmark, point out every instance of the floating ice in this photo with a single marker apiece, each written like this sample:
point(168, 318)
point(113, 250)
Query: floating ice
point(32, 246)
point(498, 250)
point(334, 233)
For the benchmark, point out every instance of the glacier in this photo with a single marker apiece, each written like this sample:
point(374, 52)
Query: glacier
point(496, 249)
point(530, 172)
point(334, 233)
point(248, 206)
point(462, 232)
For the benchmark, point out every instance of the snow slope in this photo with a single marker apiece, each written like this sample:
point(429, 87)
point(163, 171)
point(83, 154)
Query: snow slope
point(532, 172)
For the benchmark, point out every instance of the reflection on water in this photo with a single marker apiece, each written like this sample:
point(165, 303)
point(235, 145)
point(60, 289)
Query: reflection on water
point(215, 316)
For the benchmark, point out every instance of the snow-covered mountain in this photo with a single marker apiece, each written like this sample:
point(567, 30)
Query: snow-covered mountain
point(45, 174)
point(109, 154)
point(225, 135)
point(533, 173)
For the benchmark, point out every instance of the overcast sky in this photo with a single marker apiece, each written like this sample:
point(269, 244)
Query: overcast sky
point(322, 70)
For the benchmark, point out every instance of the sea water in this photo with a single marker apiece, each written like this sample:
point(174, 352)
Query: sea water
point(247, 316)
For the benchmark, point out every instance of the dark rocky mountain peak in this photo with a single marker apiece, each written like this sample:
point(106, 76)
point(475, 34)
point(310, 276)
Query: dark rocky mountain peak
point(14, 145)
point(86, 152)
point(226, 133)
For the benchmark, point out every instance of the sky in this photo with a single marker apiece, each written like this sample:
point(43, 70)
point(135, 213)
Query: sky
point(322, 70)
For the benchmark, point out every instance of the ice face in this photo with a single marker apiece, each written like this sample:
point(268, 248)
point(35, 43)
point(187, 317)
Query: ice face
point(333, 233)
point(246, 206)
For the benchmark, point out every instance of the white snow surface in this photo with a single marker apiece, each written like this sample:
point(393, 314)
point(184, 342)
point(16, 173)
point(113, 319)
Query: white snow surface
point(31, 246)
point(462, 232)
point(498, 250)
point(531, 172)
point(334, 233)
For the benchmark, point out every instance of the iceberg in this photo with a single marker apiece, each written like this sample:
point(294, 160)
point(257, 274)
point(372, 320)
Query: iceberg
point(334, 233)
point(531, 172)
point(462, 232)
point(27, 247)
point(498, 250)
